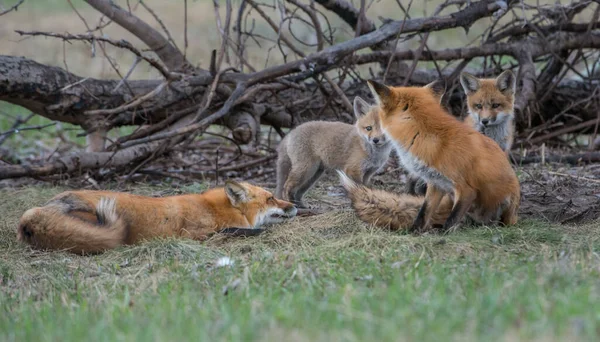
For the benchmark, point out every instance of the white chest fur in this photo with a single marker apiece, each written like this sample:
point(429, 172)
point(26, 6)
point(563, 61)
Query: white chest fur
point(414, 165)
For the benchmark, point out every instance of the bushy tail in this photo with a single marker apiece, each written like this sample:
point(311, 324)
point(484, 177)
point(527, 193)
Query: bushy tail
point(387, 210)
point(51, 228)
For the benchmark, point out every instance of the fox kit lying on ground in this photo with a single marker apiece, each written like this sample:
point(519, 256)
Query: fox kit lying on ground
point(491, 106)
point(311, 148)
point(491, 111)
point(93, 221)
point(450, 155)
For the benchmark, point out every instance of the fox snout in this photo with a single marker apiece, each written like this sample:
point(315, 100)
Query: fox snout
point(378, 141)
point(289, 209)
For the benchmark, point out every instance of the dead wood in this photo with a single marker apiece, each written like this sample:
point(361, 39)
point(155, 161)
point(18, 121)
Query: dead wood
point(315, 81)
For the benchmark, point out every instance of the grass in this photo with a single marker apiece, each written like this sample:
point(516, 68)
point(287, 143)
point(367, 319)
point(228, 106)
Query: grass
point(327, 277)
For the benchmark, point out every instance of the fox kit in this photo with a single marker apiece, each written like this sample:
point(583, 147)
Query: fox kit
point(491, 106)
point(86, 222)
point(311, 148)
point(450, 155)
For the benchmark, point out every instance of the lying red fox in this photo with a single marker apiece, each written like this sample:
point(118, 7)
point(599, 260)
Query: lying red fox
point(86, 222)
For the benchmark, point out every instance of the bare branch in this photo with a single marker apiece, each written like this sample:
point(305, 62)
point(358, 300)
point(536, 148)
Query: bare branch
point(120, 44)
point(14, 7)
point(349, 14)
point(169, 54)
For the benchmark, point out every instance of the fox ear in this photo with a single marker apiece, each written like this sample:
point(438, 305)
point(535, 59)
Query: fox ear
point(381, 92)
point(236, 192)
point(438, 88)
point(469, 83)
point(506, 82)
point(361, 107)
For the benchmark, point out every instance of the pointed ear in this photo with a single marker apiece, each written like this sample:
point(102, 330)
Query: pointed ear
point(361, 107)
point(236, 192)
point(438, 88)
point(469, 83)
point(381, 92)
point(506, 82)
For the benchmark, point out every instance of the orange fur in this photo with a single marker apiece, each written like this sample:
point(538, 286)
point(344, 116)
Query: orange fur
point(387, 210)
point(94, 221)
point(491, 106)
point(450, 155)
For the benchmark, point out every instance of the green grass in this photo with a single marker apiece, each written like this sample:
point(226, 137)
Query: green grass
point(327, 277)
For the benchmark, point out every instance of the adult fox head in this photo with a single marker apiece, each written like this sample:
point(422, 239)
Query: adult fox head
point(490, 101)
point(367, 123)
point(403, 103)
point(258, 205)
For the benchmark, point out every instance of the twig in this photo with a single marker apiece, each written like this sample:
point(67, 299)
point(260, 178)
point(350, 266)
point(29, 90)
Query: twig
point(120, 44)
point(14, 7)
point(162, 25)
point(14, 128)
point(573, 159)
point(596, 181)
point(168, 54)
point(131, 104)
point(185, 28)
point(239, 90)
point(389, 63)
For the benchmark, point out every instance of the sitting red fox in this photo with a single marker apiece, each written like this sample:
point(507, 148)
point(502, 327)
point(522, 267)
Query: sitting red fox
point(86, 222)
point(311, 148)
point(491, 106)
point(450, 155)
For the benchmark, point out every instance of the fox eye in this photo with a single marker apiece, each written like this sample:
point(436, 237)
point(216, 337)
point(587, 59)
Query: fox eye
point(368, 128)
point(478, 106)
point(271, 199)
point(405, 108)
point(495, 105)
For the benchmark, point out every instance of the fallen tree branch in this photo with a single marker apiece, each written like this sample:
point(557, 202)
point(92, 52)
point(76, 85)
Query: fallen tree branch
point(573, 159)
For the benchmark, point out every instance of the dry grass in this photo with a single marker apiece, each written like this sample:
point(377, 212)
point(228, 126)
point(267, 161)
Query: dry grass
point(327, 277)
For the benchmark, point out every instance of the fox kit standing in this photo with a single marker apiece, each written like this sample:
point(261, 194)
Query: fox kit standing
point(491, 105)
point(304, 154)
point(450, 155)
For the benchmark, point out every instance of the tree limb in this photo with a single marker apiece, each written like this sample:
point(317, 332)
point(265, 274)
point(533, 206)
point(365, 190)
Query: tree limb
point(169, 54)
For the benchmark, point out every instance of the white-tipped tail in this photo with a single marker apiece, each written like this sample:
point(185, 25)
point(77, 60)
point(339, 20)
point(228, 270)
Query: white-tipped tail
point(106, 210)
point(385, 209)
point(51, 228)
point(347, 182)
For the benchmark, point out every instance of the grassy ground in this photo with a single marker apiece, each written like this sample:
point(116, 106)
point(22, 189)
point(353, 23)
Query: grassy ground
point(327, 277)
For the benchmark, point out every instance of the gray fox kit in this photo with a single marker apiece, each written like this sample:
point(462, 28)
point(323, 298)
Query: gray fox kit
point(311, 148)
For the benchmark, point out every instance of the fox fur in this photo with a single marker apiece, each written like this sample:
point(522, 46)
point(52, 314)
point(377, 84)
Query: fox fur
point(491, 105)
point(88, 222)
point(450, 155)
point(307, 151)
point(388, 210)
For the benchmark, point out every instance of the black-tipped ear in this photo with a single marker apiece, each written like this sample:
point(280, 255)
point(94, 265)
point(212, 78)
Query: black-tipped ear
point(469, 83)
point(381, 92)
point(438, 88)
point(361, 107)
point(506, 82)
point(236, 192)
